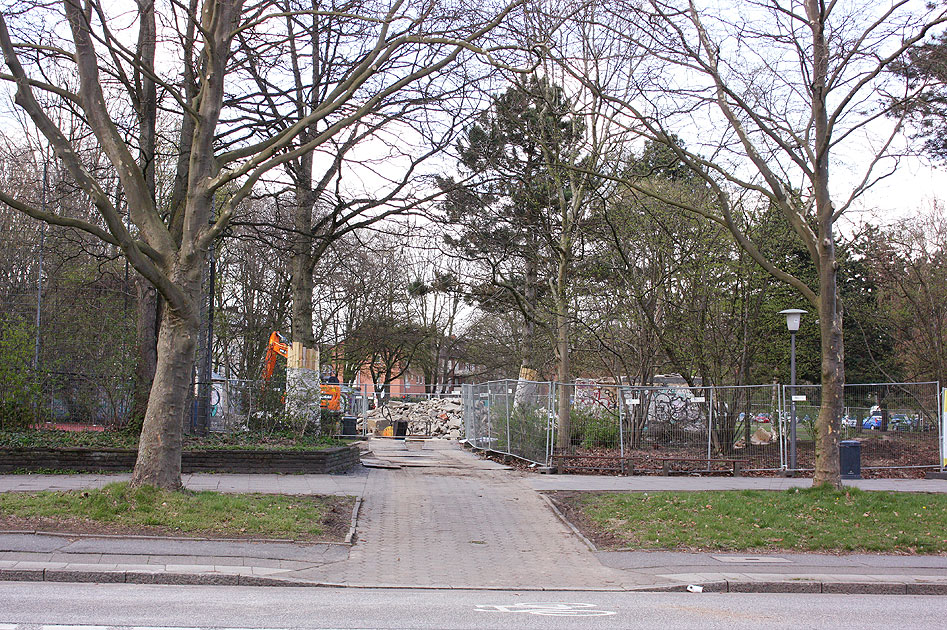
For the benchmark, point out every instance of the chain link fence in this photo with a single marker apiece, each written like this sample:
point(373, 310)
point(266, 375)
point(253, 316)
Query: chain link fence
point(621, 429)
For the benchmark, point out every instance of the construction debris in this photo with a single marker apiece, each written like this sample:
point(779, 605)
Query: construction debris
point(435, 417)
point(762, 436)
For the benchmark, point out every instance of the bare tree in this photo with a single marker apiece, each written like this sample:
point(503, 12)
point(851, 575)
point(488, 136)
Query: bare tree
point(367, 174)
point(767, 94)
point(168, 245)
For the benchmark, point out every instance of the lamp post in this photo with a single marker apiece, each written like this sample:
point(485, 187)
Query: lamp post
point(793, 319)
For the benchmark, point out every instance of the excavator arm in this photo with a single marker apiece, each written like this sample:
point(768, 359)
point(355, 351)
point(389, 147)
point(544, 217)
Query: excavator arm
point(278, 346)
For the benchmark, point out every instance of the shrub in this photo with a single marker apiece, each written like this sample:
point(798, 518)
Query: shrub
point(18, 387)
point(594, 428)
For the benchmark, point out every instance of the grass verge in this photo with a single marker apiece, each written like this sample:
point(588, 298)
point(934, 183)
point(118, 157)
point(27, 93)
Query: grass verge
point(118, 509)
point(812, 519)
point(283, 440)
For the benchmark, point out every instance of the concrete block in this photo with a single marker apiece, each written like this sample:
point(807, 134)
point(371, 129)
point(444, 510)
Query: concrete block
point(256, 580)
point(864, 588)
point(98, 577)
point(201, 579)
point(21, 575)
point(915, 588)
point(774, 587)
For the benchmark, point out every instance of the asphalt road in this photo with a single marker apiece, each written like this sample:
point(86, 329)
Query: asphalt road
point(41, 606)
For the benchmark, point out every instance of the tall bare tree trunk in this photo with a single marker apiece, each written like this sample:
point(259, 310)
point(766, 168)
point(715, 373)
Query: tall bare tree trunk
point(148, 314)
point(827, 471)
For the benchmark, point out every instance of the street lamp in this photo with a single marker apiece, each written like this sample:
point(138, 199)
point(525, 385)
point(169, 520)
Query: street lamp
point(793, 319)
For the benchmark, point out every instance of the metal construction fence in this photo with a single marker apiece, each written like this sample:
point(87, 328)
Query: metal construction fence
point(511, 417)
point(625, 428)
point(260, 406)
point(61, 399)
point(897, 424)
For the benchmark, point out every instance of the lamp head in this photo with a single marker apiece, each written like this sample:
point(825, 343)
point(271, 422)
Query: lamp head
point(793, 318)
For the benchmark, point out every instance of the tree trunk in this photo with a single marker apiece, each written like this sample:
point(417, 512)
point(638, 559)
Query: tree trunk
point(159, 450)
point(303, 288)
point(147, 338)
point(827, 465)
point(565, 385)
point(562, 352)
point(525, 387)
point(301, 263)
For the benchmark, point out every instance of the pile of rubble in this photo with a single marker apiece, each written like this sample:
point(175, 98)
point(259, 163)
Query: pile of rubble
point(437, 417)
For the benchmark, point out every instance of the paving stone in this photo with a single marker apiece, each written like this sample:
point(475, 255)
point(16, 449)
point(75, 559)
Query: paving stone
point(468, 528)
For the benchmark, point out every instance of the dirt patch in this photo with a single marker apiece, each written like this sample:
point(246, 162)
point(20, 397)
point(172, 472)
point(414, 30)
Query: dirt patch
point(891, 455)
point(335, 525)
point(567, 503)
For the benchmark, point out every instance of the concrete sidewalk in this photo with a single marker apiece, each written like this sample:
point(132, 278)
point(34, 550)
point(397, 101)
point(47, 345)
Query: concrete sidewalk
point(440, 517)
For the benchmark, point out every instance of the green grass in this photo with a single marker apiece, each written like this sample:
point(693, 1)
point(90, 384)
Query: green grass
point(798, 520)
point(122, 439)
point(118, 509)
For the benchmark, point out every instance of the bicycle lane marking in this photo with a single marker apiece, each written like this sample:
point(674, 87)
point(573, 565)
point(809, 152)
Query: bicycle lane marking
point(550, 609)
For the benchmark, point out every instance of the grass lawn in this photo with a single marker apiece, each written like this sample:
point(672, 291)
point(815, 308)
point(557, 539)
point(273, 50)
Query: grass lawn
point(116, 509)
point(796, 520)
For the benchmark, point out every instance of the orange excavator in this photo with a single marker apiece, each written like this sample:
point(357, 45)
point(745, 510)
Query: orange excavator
point(278, 346)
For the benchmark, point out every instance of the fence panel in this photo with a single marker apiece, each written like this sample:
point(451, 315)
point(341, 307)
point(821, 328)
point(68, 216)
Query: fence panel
point(75, 398)
point(896, 423)
point(510, 417)
point(665, 423)
point(259, 406)
point(746, 426)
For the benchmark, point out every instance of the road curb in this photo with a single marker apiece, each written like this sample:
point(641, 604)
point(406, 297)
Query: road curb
point(350, 537)
point(220, 579)
point(827, 588)
point(562, 517)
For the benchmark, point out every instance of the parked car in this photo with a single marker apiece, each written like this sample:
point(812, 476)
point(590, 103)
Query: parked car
point(872, 422)
point(848, 421)
point(901, 422)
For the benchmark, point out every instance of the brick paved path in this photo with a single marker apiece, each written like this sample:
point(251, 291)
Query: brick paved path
point(461, 522)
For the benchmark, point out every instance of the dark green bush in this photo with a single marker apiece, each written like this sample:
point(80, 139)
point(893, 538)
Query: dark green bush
point(594, 428)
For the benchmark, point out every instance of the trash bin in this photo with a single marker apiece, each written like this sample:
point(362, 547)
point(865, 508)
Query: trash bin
point(349, 425)
point(850, 459)
point(401, 428)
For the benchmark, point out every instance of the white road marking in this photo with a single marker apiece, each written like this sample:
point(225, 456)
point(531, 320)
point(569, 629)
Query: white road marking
point(551, 609)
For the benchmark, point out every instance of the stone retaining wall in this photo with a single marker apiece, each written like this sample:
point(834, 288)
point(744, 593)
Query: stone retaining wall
point(340, 459)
